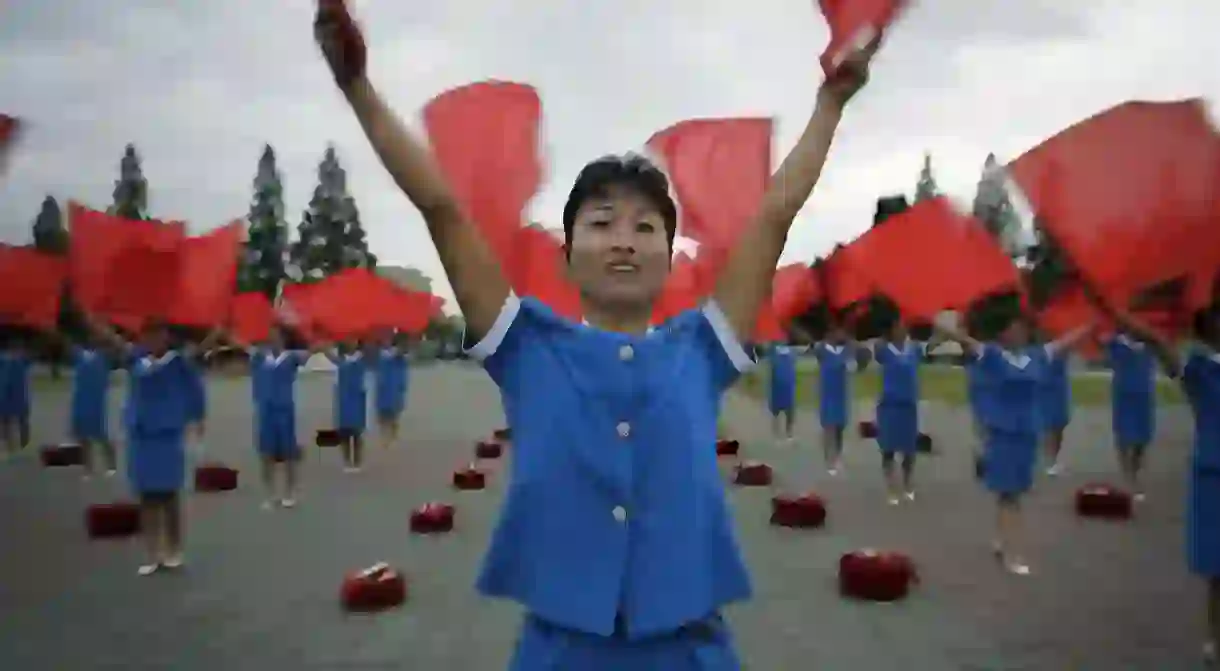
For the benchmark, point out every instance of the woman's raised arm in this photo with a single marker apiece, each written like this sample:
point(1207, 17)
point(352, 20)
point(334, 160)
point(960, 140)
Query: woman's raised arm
point(478, 281)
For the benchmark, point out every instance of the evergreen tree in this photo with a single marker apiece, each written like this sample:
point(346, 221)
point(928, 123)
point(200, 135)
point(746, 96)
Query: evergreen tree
point(993, 207)
point(263, 265)
point(49, 233)
point(330, 237)
point(130, 189)
point(926, 187)
point(889, 206)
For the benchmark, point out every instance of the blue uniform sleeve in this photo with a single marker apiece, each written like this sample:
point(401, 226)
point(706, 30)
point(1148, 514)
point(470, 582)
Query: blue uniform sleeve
point(882, 352)
point(499, 348)
point(725, 354)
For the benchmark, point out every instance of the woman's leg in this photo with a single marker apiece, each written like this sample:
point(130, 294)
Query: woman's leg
point(291, 464)
point(151, 522)
point(357, 451)
point(1212, 648)
point(1008, 533)
point(266, 470)
point(175, 525)
point(892, 486)
point(908, 475)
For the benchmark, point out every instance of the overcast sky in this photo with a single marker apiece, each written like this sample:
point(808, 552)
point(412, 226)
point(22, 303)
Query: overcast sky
point(200, 85)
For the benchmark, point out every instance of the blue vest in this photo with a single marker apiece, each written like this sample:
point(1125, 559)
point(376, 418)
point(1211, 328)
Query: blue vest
point(1133, 367)
point(275, 377)
point(615, 507)
point(1201, 378)
point(90, 379)
point(158, 392)
point(832, 368)
point(1013, 382)
point(391, 373)
point(899, 371)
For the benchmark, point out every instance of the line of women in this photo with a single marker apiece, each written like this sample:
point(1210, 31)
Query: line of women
point(165, 410)
point(1020, 398)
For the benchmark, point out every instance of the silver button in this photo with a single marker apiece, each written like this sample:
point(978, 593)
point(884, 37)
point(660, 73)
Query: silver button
point(626, 353)
point(620, 514)
point(624, 429)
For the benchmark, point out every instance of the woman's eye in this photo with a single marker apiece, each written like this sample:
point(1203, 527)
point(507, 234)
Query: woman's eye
point(645, 227)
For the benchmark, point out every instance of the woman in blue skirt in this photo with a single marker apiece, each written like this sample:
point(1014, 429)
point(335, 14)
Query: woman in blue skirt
point(351, 401)
point(91, 364)
point(156, 416)
point(14, 393)
point(390, 375)
point(1055, 408)
point(1133, 403)
point(835, 355)
point(273, 375)
point(898, 407)
point(1200, 379)
point(781, 399)
point(615, 535)
point(1013, 369)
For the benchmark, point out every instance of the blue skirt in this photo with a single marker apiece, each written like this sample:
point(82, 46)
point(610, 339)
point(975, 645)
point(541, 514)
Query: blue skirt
point(350, 412)
point(833, 408)
point(898, 427)
point(1009, 460)
point(1203, 523)
point(89, 420)
point(391, 402)
point(542, 646)
point(277, 432)
point(783, 395)
point(156, 461)
point(1134, 420)
point(1054, 409)
point(196, 399)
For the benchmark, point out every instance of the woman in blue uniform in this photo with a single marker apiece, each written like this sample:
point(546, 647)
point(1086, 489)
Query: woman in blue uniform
point(1055, 408)
point(834, 355)
point(980, 406)
point(273, 376)
point(1133, 403)
point(898, 408)
point(14, 395)
point(196, 398)
point(90, 402)
point(781, 399)
point(351, 402)
point(1013, 371)
point(390, 386)
point(615, 534)
point(1200, 379)
point(156, 415)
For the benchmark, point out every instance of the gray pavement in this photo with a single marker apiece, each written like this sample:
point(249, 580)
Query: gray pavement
point(260, 591)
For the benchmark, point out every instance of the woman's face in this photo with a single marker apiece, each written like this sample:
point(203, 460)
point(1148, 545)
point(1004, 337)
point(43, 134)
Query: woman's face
point(898, 332)
point(275, 338)
point(620, 253)
point(836, 334)
point(1015, 335)
point(155, 339)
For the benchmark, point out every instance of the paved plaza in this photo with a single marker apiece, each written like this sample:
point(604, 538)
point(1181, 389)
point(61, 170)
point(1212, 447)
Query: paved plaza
point(260, 589)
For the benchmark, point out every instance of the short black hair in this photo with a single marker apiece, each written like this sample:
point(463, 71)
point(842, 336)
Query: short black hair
point(632, 171)
point(1205, 324)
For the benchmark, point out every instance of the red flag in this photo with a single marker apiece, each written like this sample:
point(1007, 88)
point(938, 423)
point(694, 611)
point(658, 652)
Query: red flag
point(854, 24)
point(537, 269)
point(1118, 187)
point(208, 276)
point(485, 138)
point(142, 281)
point(844, 276)
point(350, 303)
point(1069, 309)
point(719, 169)
point(407, 311)
point(767, 328)
point(691, 280)
point(793, 290)
point(251, 317)
point(968, 265)
point(94, 241)
point(33, 287)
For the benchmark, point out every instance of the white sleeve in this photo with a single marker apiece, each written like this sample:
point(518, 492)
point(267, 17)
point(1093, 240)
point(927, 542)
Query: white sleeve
point(727, 338)
point(486, 347)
